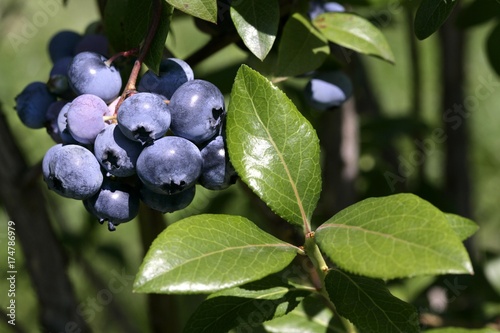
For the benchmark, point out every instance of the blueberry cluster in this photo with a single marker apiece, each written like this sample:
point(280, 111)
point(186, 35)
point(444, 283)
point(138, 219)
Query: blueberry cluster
point(327, 90)
point(153, 146)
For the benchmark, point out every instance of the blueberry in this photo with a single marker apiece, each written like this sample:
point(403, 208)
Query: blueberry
point(93, 43)
point(72, 171)
point(89, 74)
point(32, 104)
point(197, 109)
point(167, 203)
point(62, 125)
point(48, 157)
point(85, 117)
point(115, 203)
point(217, 172)
point(117, 154)
point(63, 44)
point(317, 8)
point(173, 73)
point(52, 116)
point(144, 117)
point(170, 165)
point(58, 78)
point(328, 90)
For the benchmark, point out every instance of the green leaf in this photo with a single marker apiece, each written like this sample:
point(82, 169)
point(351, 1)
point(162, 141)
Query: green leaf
point(391, 237)
point(431, 14)
point(369, 305)
point(246, 307)
point(127, 23)
point(493, 48)
point(274, 149)
point(208, 253)
point(311, 316)
point(461, 330)
point(355, 33)
point(463, 227)
point(203, 9)
point(302, 47)
point(257, 23)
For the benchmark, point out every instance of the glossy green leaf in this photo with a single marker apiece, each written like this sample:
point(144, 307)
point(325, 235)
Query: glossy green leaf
point(463, 227)
point(302, 47)
point(369, 305)
point(274, 149)
point(127, 24)
point(392, 237)
point(257, 23)
point(204, 9)
point(208, 253)
point(354, 32)
point(461, 330)
point(311, 316)
point(430, 15)
point(493, 48)
point(246, 307)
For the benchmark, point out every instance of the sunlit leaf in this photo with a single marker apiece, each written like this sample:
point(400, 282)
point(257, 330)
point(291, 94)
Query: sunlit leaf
point(257, 23)
point(463, 227)
point(354, 32)
point(392, 237)
point(204, 9)
point(208, 253)
point(274, 149)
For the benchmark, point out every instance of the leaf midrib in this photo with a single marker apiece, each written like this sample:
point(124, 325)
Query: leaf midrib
point(281, 157)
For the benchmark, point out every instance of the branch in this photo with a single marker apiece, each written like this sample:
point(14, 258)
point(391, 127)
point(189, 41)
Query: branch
point(44, 258)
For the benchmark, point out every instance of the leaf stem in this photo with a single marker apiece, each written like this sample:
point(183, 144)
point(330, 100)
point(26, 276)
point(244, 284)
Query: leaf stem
point(313, 252)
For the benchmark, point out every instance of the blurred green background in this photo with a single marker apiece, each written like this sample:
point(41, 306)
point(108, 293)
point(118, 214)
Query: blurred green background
point(93, 250)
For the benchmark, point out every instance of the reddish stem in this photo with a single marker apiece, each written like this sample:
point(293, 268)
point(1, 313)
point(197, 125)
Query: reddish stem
point(128, 53)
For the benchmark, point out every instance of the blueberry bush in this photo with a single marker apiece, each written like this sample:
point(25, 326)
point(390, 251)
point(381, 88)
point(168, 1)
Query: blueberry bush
point(137, 136)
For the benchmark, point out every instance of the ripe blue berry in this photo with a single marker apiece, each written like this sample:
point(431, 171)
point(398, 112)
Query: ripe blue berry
point(85, 117)
point(197, 109)
point(52, 116)
point(317, 8)
point(170, 165)
point(144, 117)
point(328, 90)
point(217, 172)
point(93, 43)
point(32, 104)
point(58, 78)
point(62, 125)
point(63, 44)
point(173, 73)
point(117, 154)
point(167, 203)
point(115, 203)
point(89, 74)
point(72, 171)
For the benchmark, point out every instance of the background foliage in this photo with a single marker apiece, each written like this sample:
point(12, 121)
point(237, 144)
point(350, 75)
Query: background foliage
point(396, 104)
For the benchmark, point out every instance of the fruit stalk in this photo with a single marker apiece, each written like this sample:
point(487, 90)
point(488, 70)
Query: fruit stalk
point(153, 28)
